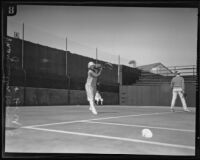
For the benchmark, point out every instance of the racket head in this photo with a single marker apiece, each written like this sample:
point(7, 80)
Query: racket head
point(108, 65)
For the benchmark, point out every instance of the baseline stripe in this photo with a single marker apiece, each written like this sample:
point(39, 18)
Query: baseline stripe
point(49, 124)
point(134, 115)
point(102, 118)
point(116, 138)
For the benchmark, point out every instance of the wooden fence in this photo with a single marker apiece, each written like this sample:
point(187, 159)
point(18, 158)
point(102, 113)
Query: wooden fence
point(155, 95)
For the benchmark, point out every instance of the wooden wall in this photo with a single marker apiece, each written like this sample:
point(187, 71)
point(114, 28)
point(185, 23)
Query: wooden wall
point(30, 96)
point(154, 95)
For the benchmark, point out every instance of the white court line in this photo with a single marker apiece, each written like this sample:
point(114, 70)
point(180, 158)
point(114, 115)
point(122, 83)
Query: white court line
point(116, 138)
point(102, 118)
point(130, 125)
point(133, 115)
point(49, 124)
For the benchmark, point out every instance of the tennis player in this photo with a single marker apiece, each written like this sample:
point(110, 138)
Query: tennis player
point(178, 87)
point(90, 85)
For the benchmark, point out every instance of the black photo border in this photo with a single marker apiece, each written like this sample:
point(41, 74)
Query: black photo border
point(115, 3)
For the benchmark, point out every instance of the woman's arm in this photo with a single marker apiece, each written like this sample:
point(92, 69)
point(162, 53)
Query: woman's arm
point(95, 74)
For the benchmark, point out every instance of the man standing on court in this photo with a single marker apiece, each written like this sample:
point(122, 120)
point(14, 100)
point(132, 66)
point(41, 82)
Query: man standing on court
point(178, 87)
point(98, 98)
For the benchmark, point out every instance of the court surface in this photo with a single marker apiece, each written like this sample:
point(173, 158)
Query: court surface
point(115, 130)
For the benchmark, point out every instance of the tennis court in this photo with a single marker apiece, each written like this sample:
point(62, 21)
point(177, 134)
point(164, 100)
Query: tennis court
point(115, 130)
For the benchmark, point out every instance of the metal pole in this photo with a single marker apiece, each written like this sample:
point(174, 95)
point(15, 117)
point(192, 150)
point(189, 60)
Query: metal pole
point(119, 81)
point(69, 89)
point(23, 46)
point(96, 55)
point(23, 69)
point(67, 73)
point(66, 58)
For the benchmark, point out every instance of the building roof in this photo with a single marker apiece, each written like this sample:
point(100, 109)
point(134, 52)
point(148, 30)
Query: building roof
point(149, 67)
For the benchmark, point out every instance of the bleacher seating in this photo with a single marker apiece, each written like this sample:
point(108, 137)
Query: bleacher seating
point(148, 78)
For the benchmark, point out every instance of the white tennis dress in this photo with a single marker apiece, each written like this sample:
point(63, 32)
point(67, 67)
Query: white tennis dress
point(90, 85)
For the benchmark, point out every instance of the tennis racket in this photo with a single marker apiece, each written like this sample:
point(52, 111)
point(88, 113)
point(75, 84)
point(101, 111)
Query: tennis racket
point(105, 65)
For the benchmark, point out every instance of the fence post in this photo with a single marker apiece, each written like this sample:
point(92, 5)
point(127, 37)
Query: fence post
point(119, 71)
point(96, 56)
point(69, 83)
point(67, 73)
point(66, 58)
point(23, 68)
point(22, 45)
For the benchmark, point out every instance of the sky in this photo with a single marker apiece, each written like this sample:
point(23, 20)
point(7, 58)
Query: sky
point(146, 35)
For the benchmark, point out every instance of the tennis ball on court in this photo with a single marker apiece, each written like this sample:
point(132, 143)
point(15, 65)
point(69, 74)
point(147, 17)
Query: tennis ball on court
point(147, 133)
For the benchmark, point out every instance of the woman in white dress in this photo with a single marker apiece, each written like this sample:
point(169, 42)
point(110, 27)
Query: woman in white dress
point(91, 83)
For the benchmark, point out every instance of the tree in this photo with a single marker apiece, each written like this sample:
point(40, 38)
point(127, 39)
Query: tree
point(133, 63)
